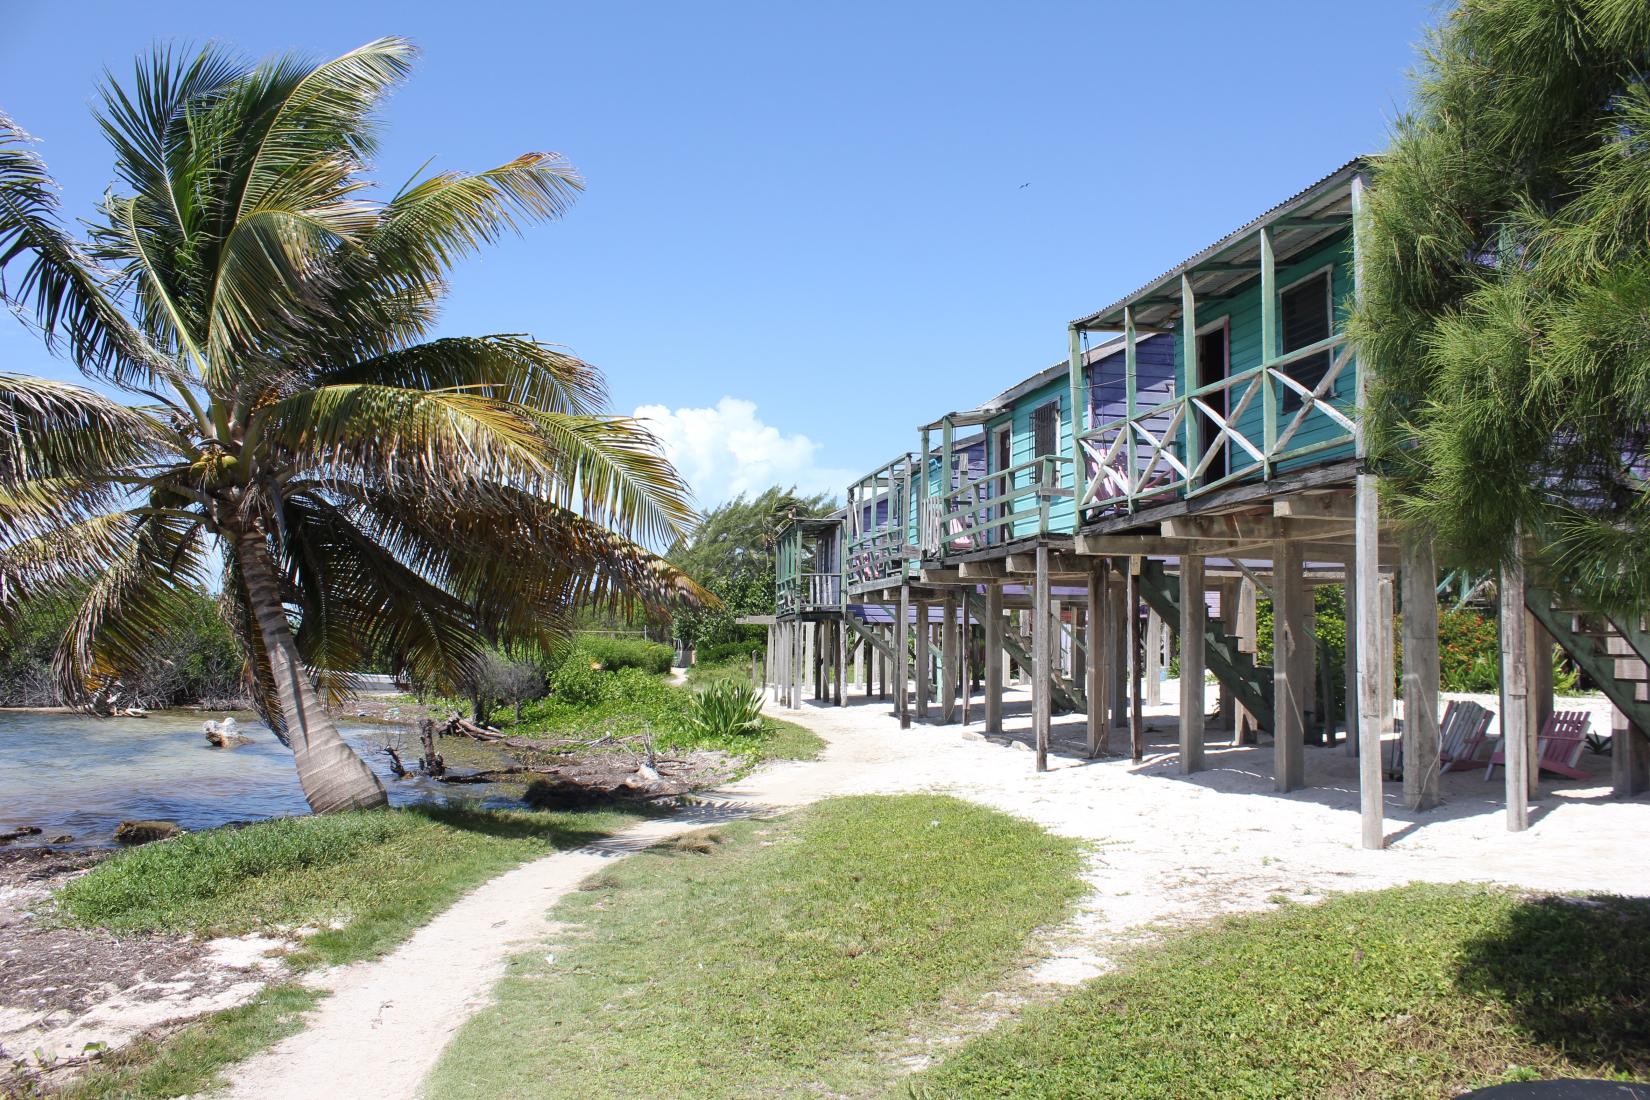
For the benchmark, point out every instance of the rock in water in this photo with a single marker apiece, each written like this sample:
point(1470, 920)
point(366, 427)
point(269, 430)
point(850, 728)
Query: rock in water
point(225, 734)
point(143, 832)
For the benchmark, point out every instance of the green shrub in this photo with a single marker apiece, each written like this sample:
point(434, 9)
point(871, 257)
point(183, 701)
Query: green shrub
point(577, 683)
point(726, 709)
point(730, 651)
point(1469, 652)
point(616, 653)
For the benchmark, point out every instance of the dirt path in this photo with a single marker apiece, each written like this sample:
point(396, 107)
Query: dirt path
point(1172, 848)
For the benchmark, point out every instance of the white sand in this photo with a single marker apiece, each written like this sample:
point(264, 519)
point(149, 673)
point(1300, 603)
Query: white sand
point(1174, 849)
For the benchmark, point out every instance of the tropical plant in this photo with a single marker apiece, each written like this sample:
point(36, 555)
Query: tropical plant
point(1505, 283)
point(374, 493)
point(725, 709)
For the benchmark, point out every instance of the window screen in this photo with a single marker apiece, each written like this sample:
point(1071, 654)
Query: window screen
point(1045, 428)
point(1306, 320)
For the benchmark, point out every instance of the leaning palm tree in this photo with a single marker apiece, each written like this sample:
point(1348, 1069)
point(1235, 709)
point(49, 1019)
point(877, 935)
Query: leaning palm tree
point(363, 489)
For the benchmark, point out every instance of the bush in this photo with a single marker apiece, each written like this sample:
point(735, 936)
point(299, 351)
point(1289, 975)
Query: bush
point(578, 683)
point(613, 654)
point(730, 651)
point(1469, 652)
point(726, 709)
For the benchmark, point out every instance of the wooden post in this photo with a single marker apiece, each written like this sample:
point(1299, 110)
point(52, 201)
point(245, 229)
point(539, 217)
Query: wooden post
point(1194, 618)
point(1306, 672)
point(841, 636)
point(1131, 617)
point(1350, 595)
point(799, 667)
point(1244, 729)
point(1154, 658)
point(1371, 662)
point(1539, 654)
point(993, 658)
point(1389, 664)
point(924, 662)
point(1096, 671)
point(1041, 701)
point(1420, 597)
point(902, 657)
point(1118, 593)
point(1288, 694)
point(1515, 695)
point(948, 658)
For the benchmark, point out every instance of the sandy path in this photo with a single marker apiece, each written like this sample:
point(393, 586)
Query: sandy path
point(1174, 848)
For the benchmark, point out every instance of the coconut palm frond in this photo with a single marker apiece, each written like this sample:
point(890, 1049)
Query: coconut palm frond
point(51, 429)
point(131, 606)
point(360, 601)
point(60, 289)
point(512, 368)
point(438, 221)
point(615, 473)
point(57, 559)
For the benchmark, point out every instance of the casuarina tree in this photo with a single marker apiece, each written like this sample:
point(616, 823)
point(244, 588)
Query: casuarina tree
point(363, 490)
point(1506, 293)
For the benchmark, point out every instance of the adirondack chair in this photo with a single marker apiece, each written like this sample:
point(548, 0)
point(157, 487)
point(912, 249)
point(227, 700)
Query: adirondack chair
point(1558, 746)
point(1459, 737)
point(1462, 733)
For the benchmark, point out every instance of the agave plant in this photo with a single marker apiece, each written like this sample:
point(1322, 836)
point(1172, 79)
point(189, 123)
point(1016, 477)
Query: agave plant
point(362, 489)
point(726, 709)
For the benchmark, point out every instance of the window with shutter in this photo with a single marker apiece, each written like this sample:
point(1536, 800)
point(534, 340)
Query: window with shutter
point(1045, 428)
point(1305, 310)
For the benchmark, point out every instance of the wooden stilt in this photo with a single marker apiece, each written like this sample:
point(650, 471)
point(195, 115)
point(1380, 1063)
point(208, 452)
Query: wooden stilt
point(924, 660)
point(1118, 593)
point(964, 648)
point(1350, 672)
point(1306, 672)
point(902, 657)
point(840, 630)
point(994, 658)
point(1131, 634)
point(1371, 625)
point(1288, 693)
point(1095, 670)
point(1193, 625)
point(1420, 599)
point(1515, 695)
point(948, 658)
point(1226, 717)
point(1389, 665)
point(1041, 700)
point(1244, 730)
point(1154, 659)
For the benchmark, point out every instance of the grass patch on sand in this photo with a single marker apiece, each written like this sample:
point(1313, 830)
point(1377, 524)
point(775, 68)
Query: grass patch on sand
point(367, 879)
point(769, 958)
point(631, 701)
point(1422, 991)
point(190, 1060)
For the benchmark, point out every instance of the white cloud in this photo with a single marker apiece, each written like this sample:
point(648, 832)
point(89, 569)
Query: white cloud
point(728, 450)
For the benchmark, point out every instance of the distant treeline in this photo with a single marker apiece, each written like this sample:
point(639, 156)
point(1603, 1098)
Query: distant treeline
point(198, 661)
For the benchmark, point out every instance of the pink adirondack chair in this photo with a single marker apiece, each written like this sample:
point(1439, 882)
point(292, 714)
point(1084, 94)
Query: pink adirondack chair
point(1462, 733)
point(1558, 745)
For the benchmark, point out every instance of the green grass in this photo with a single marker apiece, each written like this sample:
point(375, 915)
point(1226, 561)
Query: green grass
point(379, 874)
point(1422, 991)
point(190, 1060)
point(636, 702)
point(786, 957)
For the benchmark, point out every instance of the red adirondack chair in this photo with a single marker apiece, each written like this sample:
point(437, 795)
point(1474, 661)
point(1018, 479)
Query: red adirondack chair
point(1558, 745)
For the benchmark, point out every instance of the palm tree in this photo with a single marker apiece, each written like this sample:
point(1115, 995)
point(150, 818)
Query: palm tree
point(364, 489)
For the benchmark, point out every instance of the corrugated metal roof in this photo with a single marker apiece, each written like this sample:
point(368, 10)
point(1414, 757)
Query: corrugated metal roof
point(1340, 175)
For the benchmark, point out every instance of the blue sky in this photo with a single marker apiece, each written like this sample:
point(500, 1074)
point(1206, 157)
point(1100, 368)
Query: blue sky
point(808, 227)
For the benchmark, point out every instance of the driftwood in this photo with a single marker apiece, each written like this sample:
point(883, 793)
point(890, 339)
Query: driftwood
point(431, 762)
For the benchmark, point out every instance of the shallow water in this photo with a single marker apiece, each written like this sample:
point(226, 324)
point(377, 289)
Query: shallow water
point(74, 774)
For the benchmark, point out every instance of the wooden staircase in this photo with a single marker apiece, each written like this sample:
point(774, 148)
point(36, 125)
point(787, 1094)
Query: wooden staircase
point(1595, 642)
point(1249, 683)
point(1066, 696)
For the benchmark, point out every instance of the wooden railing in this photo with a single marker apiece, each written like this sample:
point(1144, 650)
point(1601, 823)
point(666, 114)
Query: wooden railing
point(990, 510)
point(805, 592)
point(1140, 457)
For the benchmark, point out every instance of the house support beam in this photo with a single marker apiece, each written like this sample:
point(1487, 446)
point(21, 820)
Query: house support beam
point(1095, 668)
point(948, 659)
point(1288, 692)
point(924, 660)
point(1515, 695)
point(1194, 619)
point(1041, 696)
point(1371, 664)
point(1420, 597)
point(902, 657)
point(1131, 620)
point(993, 658)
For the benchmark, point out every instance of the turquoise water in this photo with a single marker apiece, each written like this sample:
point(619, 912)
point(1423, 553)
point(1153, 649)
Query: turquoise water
point(74, 774)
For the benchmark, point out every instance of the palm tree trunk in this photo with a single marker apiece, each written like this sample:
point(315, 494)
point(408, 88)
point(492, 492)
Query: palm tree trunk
point(332, 775)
